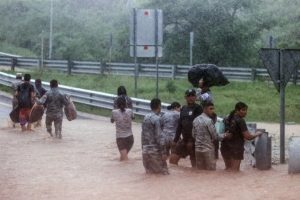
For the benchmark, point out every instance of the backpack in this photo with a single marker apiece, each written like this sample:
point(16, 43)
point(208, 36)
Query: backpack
point(24, 97)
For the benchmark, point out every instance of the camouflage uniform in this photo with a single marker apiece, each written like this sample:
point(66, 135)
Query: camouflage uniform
point(54, 101)
point(205, 135)
point(169, 123)
point(153, 146)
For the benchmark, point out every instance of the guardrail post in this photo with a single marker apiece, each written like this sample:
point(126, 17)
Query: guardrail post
point(138, 70)
point(70, 66)
point(174, 68)
point(103, 67)
point(41, 64)
point(253, 74)
point(295, 76)
point(14, 63)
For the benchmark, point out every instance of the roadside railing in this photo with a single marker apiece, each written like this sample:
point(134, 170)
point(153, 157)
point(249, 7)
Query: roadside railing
point(88, 97)
point(128, 69)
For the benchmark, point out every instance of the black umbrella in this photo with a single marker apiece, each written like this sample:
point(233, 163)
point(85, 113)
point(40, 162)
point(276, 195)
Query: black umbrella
point(210, 73)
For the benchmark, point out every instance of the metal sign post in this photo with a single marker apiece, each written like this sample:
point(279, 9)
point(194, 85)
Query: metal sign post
point(191, 47)
point(146, 36)
point(156, 50)
point(282, 108)
point(281, 63)
point(134, 53)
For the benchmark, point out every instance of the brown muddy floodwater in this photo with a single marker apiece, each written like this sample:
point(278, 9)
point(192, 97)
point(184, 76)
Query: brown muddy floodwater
point(85, 165)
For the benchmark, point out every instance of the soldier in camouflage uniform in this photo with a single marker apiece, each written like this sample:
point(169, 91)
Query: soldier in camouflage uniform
point(54, 100)
point(205, 135)
point(169, 123)
point(153, 142)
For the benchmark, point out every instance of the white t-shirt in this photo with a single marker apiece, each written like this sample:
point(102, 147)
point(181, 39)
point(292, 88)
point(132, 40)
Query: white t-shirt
point(123, 122)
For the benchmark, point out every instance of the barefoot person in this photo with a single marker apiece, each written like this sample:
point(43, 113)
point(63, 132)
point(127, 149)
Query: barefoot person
point(54, 101)
point(232, 149)
point(123, 117)
point(25, 96)
point(153, 142)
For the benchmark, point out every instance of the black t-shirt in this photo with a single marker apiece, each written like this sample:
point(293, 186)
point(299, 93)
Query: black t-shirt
point(24, 95)
point(236, 126)
point(185, 123)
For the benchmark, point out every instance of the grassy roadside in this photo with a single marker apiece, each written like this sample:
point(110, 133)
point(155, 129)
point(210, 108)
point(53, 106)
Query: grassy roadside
point(261, 97)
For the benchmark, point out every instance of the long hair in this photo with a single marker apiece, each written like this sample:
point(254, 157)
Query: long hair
point(121, 103)
point(238, 106)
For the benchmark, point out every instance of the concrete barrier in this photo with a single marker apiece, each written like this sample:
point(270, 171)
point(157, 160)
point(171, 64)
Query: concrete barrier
point(294, 155)
point(263, 152)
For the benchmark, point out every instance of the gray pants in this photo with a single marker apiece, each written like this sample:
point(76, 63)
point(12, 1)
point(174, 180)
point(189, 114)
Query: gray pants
point(153, 163)
point(57, 125)
point(206, 160)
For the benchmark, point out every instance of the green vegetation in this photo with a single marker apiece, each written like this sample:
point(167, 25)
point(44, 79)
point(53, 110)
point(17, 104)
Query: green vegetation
point(227, 32)
point(261, 97)
point(16, 50)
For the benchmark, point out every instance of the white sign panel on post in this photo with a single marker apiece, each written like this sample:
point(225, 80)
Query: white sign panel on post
point(146, 25)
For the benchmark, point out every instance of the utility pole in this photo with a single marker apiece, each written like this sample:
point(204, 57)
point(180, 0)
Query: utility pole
point(191, 47)
point(51, 30)
point(42, 51)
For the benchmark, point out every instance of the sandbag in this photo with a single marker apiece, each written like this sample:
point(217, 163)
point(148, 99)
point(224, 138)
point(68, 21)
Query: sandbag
point(36, 113)
point(70, 110)
point(210, 73)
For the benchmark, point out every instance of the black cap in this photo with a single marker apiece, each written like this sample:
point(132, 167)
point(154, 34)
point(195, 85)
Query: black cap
point(190, 92)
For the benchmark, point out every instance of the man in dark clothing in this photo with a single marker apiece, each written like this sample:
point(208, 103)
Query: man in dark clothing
point(186, 146)
point(25, 96)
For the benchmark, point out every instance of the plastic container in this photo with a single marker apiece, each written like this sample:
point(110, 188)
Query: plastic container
point(294, 155)
point(263, 152)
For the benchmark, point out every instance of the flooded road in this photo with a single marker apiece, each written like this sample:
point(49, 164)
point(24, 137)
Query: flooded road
point(85, 165)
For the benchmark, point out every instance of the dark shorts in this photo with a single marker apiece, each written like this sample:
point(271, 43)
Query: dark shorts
point(125, 143)
point(232, 153)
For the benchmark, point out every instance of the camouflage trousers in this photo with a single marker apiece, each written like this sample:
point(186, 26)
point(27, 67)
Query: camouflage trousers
point(154, 163)
point(57, 125)
point(206, 160)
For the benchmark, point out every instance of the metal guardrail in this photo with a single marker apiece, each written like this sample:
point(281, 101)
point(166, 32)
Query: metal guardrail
point(144, 70)
point(9, 55)
point(88, 97)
